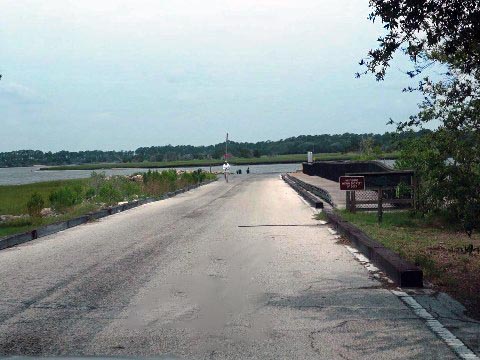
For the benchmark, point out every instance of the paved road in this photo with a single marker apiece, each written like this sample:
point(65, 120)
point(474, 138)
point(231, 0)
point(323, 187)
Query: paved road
point(237, 270)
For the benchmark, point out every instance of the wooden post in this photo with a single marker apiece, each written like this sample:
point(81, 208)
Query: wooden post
point(380, 205)
point(415, 191)
point(347, 200)
point(354, 202)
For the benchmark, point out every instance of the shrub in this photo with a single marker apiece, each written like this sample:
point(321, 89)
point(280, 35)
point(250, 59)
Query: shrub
point(89, 193)
point(165, 179)
point(20, 222)
point(65, 197)
point(129, 189)
point(109, 194)
point(447, 166)
point(97, 180)
point(35, 205)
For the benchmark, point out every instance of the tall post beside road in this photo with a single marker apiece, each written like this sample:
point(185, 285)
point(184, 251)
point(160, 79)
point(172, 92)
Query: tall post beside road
point(226, 147)
point(353, 202)
point(310, 157)
point(380, 205)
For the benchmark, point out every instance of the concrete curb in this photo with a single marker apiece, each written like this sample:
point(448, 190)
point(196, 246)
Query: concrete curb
point(310, 198)
point(17, 239)
point(322, 194)
point(399, 270)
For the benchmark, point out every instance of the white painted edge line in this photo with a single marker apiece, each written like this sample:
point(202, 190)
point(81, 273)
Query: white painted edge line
point(457, 346)
point(376, 272)
point(454, 343)
point(331, 231)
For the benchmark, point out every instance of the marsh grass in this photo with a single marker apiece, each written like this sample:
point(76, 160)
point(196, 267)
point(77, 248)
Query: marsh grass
point(72, 198)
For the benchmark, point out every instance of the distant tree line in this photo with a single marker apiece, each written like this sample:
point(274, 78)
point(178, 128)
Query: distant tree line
point(294, 145)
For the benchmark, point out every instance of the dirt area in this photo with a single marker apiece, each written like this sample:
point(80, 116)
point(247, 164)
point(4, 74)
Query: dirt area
point(458, 268)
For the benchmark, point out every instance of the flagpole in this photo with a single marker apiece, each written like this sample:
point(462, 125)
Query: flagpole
point(226, 146)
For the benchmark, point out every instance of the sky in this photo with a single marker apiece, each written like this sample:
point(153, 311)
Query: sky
point(118, 74)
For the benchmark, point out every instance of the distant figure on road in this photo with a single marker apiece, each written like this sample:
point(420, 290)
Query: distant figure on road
point(248, 170)
point(226, 170)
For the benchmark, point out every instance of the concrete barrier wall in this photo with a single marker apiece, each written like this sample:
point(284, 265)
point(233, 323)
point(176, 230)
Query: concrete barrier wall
point(15, 240)
point(332, 170)
point(375, 173)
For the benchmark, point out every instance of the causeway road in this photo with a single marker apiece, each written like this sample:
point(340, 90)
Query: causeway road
point(226, 271)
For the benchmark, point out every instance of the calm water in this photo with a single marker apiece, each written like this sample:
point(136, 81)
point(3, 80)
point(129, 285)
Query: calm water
point(27, 175)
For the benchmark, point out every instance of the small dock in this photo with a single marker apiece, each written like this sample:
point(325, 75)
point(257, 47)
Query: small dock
point(333, 188)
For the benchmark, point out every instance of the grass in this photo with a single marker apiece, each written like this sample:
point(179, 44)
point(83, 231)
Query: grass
point(94, 193)
point(279, 159)
point(432, 244)
point(27, 224)
point(13, 198)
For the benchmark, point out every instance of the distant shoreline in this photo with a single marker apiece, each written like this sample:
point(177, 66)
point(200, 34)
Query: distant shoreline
point(280, 159)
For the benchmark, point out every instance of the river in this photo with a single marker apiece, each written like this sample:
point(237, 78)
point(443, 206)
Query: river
point(28, 175)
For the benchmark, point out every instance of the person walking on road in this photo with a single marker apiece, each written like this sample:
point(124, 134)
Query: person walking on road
point(226, 170)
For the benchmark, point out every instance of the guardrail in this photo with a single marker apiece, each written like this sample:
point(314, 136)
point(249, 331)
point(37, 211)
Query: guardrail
point(321, 193)
point(309, 197)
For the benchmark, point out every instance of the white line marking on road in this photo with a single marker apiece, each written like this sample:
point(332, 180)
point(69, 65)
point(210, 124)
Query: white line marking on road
point(331, 231)
point(376, 272)
point(457, 346)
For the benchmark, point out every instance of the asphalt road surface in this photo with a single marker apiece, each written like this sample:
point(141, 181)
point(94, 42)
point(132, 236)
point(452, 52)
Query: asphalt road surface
point(226, 271)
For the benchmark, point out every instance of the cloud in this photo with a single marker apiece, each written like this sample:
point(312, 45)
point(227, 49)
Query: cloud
point(19, 94)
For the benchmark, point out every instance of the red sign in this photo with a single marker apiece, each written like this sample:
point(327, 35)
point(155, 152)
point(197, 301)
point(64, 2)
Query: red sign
point(352, 183)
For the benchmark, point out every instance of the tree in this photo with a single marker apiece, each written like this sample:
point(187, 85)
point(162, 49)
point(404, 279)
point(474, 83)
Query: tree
point(444, 32)
point(448, 164)
point(420, 27)
point(366, 148)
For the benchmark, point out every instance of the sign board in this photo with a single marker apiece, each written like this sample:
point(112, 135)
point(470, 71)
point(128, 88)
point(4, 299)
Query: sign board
point(352, 183)
point(309, 157)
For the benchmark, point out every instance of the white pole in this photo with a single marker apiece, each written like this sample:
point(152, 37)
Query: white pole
point(226, 146)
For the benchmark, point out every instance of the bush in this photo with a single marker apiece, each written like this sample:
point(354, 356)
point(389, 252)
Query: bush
point(109, 194)
point(21, 222)
point(35, 205)
point(446, 163)
point(90, 193)
point(129, 189)
point(65, 197)
point(165, 179)
point(97, 180)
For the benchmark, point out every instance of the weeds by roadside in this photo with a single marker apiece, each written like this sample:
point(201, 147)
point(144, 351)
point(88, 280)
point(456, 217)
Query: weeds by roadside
point(24, 207)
